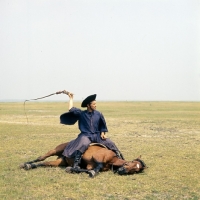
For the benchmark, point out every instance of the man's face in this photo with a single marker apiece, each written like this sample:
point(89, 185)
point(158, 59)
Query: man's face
point(92, 105)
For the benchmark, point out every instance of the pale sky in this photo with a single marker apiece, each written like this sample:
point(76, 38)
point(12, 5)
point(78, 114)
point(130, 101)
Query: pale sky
point(134, 50)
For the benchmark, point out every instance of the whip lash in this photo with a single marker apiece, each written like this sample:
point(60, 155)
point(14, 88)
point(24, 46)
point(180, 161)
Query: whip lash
point(59, 92)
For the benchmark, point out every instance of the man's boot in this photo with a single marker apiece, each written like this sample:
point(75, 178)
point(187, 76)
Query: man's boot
point(77, 161)
point(119, 155)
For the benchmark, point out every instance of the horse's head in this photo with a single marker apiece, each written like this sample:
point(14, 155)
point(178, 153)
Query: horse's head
point(132, 167)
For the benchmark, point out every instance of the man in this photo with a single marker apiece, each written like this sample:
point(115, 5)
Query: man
point(93, 128)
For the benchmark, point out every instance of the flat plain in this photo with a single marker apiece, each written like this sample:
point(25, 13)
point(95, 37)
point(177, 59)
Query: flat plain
point(165, 134)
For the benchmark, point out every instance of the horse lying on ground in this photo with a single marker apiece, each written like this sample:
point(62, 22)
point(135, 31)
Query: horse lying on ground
point(96, 158)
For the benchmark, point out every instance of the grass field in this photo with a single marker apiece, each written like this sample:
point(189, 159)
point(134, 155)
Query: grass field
point(166, 134)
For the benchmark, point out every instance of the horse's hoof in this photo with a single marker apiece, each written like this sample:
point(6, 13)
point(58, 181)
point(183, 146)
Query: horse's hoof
point(68, 169)
point(91, 173)
point(21, 166)
point(27, 166)
point(76, 169)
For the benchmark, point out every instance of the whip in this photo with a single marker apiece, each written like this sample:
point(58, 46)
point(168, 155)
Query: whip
point(59, 92)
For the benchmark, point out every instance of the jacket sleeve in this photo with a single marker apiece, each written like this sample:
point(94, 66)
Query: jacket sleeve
point(75, 111)
point(70, 117)
point(102, 124)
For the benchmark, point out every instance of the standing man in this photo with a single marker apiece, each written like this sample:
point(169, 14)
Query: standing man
point(93, 128)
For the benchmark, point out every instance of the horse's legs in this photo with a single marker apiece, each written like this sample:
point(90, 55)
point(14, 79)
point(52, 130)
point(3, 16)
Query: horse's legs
point(100, 157)
point(56, 163)
point(45, 156)
point(93, 172)
point(40, 158)
point(54, 152)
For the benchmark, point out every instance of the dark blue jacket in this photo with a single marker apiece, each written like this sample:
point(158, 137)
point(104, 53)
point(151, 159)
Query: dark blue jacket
point(88, 122)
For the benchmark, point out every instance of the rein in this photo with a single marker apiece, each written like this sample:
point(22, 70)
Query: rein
point(112, 169)
point(59, 92)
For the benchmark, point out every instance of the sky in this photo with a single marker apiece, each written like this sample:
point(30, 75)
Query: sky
point(123, 50)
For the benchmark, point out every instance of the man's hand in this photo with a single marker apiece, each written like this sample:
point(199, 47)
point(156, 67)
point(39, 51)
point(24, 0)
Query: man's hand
point(103, 136)
point(71, 95)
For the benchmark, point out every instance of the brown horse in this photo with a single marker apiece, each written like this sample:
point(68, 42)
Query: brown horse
point(96, 158)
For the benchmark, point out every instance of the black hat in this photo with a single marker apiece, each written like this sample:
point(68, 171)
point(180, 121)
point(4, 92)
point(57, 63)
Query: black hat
point(87, 100)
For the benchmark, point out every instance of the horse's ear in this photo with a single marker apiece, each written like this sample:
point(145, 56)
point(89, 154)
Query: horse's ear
point(139, 157)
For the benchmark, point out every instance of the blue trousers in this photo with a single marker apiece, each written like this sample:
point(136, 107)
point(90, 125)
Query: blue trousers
point(82, 142)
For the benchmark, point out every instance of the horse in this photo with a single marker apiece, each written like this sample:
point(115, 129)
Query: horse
point(95, 159)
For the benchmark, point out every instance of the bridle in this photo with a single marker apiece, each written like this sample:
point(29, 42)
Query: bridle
point(112, 167)
point(122, 169)
point(141, 162)
point(59, 92)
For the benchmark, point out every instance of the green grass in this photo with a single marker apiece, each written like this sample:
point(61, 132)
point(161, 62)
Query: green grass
point(166, 134)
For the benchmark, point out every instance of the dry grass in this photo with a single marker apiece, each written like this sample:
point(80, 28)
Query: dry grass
point(166, 134)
